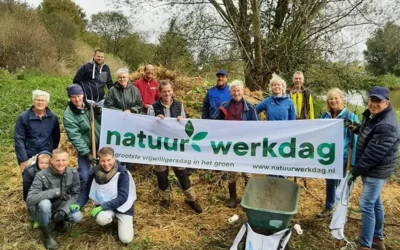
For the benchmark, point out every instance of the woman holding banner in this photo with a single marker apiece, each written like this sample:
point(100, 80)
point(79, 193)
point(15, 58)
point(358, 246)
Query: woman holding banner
point(279, 106)
point(336, 110)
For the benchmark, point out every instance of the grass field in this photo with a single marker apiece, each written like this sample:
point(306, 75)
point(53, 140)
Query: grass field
point(155, 228)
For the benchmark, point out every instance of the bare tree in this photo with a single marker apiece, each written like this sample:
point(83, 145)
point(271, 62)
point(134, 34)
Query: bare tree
point(274, 35)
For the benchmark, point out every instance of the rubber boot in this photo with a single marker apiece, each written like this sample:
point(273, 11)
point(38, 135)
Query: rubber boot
point(232, 202)
point(48, 241)
point(195, 206)
point(183, 178)
point(163, 185)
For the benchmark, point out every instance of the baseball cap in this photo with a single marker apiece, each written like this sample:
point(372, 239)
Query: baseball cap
point(222, 72)
point(380, 92)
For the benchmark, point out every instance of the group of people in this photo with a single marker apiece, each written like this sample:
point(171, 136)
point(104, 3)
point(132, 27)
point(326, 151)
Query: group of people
point(54, 192)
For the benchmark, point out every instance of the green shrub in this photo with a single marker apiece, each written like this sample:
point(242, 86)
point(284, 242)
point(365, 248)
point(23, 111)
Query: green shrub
point(17, 97)
point(25, 42)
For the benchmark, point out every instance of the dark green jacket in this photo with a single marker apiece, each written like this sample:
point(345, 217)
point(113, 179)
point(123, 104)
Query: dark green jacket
point(77, 125)
point(124, 98)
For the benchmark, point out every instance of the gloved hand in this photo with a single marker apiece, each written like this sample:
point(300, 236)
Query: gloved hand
point(97, 109)
point(96, 210)
point(90, 158)
point(74, 207)
point(351, 179)
point(350, 123)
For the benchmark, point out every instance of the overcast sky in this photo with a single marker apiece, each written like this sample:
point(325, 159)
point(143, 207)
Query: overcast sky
point(149, 27)
point(151, 24)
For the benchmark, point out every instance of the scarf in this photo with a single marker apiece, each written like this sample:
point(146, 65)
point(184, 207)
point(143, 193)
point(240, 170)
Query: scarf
point(102, 177)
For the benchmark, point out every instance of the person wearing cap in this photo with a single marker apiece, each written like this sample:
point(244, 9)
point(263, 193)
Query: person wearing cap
point(236, 109)
point(36, 130)
point(376, 157)
point(124, 96)
point(78, 127)
point(216, 95)
point(148, 87)
point(93, 77)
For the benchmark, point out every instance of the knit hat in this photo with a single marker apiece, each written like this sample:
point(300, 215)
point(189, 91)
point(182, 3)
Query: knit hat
point(74, 89)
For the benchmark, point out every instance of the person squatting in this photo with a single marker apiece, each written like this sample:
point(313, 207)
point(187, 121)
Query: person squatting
point(56, 193)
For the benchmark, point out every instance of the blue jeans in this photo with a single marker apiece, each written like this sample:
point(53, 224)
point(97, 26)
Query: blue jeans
point(44, 214)
point(83, 170)
point(331, 185)
point(371, 210)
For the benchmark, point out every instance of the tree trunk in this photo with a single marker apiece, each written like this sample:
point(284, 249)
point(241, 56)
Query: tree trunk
point(258, 63)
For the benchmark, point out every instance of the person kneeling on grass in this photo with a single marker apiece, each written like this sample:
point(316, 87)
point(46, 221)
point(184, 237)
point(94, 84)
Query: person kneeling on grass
point(42, 163)
point(110, 185)
point(52, 192)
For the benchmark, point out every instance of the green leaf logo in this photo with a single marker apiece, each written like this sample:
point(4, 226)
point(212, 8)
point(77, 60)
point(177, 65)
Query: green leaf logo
point(196, 147)
point(189, 129)
point(200, 136)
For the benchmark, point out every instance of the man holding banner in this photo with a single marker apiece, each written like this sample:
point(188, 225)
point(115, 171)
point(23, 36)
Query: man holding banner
point(168, 107)
point(376, 157)
point(78, 127)
point(236, 109)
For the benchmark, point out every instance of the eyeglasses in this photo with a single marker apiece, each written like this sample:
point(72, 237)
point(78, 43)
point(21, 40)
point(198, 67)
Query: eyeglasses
point(40, 100)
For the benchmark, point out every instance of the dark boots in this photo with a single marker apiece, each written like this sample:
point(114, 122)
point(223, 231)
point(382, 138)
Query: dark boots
point(48, 241)
point(195, 206)
point(165, 204)
point(232, 202)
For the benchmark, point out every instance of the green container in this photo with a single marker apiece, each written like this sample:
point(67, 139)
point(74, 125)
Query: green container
point(270, 202)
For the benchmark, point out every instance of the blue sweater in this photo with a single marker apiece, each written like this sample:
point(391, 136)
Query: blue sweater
point(347, 133)
point(123, 190)
point(278, 108)
point(93, 79)
point(33, 135)
point(214, 98)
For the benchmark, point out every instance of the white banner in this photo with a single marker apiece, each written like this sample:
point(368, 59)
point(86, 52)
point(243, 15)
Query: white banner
point(304, 148)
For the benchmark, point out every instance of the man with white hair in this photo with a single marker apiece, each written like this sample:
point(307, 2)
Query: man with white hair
point(93, 77)
point(236, 109)
point(36, 130)
point(124, 96)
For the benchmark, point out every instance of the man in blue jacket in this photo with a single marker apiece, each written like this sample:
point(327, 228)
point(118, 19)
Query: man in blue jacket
point(36, 130)
point(110, 185)
point(376, 157)
point(93, 77)
point(236, 109)
point(216, 95)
